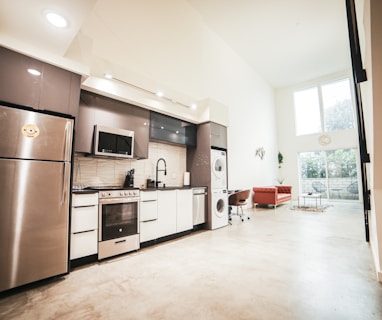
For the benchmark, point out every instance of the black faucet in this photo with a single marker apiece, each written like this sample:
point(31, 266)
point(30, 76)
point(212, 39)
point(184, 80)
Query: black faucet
point(157, 170)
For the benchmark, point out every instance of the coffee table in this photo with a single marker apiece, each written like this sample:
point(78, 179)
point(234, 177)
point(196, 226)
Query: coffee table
point(315, 196)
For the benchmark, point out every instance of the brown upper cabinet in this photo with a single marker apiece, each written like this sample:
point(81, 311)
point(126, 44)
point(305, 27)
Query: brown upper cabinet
point(55, 89)
point(99, 110)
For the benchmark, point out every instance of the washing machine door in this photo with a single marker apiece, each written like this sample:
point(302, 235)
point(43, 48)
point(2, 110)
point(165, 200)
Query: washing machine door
point(218, 169)
point(221, 208)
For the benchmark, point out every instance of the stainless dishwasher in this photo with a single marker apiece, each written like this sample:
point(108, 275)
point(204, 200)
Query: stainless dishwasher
point(199, 205)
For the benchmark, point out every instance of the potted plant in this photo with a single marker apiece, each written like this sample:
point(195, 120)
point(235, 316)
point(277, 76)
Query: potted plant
point(280, 159)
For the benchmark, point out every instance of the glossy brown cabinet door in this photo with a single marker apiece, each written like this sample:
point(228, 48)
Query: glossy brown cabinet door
point(83, 133)
point(18, 86)
point(218, 135)
point(98, 110)
point(60, 90)
point(140, 124)
point(55, 89)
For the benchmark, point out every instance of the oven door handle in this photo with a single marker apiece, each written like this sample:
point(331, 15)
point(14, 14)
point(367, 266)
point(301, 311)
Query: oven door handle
point(117, 200)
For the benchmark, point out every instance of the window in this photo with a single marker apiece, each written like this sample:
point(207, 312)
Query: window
point(338, 110)
point(307, 112)
point(332, 173)
point(324, 108)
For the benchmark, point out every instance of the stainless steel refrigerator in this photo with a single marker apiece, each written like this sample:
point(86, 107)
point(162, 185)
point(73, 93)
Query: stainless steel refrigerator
point(35, 165)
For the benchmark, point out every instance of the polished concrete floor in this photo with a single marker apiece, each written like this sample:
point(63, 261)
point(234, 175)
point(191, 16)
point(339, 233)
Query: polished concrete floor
point(281, 264)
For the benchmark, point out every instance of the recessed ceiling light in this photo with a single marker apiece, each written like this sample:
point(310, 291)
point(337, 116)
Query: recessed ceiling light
point(159, 94)
point(56, 19)
point(108, 76)
point(34, 72)
point(193, 106)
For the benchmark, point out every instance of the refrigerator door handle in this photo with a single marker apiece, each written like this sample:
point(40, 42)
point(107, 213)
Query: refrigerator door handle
point(65, 183)
point(68, 139)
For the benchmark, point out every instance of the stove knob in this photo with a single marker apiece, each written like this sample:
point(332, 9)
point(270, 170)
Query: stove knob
point(103, 194)
point(109, 194)
point(121, 193)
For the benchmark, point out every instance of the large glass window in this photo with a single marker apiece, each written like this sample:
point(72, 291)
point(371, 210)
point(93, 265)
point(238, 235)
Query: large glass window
point(307, 111)
point(331, 173)
point(324, 108)
point(337, 104)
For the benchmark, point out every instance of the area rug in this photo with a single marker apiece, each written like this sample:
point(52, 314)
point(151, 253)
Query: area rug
point(320, 208)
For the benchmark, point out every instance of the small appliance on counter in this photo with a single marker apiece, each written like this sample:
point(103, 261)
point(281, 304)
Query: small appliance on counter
point(186, 179)
point(129, 180)
point(150, 183)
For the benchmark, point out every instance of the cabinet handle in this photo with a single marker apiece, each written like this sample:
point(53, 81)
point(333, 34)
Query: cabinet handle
point(148, 200)
point(87, 206)
point(120, 241)
point(78, 232)
point(149, 220)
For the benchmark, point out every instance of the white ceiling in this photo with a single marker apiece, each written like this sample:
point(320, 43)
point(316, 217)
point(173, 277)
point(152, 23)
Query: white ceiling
point(286, 41)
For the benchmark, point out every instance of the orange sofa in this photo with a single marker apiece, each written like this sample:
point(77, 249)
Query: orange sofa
point(272, 195)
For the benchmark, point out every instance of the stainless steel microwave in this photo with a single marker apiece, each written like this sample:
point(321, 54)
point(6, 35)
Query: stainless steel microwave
point(113, 142)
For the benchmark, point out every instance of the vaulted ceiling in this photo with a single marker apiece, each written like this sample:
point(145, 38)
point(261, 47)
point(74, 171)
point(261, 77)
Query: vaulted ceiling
point(286, 41)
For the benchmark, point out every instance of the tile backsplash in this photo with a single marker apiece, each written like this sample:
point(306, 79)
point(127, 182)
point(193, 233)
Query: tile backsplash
point(111, 172)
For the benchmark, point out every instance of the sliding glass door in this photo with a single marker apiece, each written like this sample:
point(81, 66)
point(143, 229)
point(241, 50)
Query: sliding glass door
point(332, 173)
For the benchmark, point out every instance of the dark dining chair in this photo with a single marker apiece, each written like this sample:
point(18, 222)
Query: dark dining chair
point(238, 199)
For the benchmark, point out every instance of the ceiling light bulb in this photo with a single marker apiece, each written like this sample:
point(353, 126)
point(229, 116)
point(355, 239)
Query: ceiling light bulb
point(159, 94)
point(56, 20)
point(34, 72)
point(108, 76)
point(193, 106)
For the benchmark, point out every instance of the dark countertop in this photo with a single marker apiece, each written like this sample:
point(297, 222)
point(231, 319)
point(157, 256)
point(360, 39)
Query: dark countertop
point(84, 191)
point(167, 188)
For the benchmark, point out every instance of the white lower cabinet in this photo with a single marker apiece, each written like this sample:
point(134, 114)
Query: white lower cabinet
point(84, 225)
point(148, 216)
point(166, 213)
point(184, 203)
point(83, 244)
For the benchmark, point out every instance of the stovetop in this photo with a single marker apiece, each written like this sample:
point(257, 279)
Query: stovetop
point(105, 188)
point(106, 192)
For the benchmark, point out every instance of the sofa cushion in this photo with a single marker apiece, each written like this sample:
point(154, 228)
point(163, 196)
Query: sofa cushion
point(283, 197)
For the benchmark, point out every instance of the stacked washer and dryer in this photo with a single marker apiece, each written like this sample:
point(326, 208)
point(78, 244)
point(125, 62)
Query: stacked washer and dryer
point(207, 163)
point(219, 193)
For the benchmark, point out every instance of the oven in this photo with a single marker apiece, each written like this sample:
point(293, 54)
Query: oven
point(118, 222)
